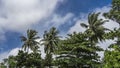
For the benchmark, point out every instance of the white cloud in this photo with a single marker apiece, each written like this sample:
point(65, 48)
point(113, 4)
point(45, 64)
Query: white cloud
point(111, 24)
point(105, 45)
point(83, 19)
point(14, 51)
point(18, 15)
point(77, 27)
point(58, 19)
point(103, 9)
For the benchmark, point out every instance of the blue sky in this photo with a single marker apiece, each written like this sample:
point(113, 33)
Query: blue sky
point(80, 6)
point(18, 15)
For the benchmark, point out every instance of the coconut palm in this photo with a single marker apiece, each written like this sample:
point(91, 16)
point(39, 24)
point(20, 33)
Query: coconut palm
point(94, 28)
point(30, 42)
point(50, 41)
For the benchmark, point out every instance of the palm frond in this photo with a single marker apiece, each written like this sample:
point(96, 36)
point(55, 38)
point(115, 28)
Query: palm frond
point(84, 25)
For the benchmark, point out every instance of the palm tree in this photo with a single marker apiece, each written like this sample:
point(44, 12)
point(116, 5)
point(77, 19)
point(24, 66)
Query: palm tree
point(30, 42)
point(95, 30)
point(114, 13)
point(50, 41)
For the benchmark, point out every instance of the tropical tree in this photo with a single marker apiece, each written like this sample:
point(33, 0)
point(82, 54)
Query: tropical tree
point(95, 28)
point(48, 60)
point(2, 65)
point(10, 62)
point(34, 60)
point(114, 13)
point(21, 58)
point(50, 41)
point(29, 42)
point(76, 52)
point(112, 56)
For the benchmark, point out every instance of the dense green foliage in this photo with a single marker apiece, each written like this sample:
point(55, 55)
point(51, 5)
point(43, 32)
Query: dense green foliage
point(77, 50)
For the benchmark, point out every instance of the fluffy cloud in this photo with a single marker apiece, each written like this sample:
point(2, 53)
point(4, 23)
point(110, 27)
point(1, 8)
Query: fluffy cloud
point(18, 15)
point(77, 27)
point(58, 19)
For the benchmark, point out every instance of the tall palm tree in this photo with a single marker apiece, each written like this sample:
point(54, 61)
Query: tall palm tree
point(50, 41)
point(29, 42)
point(95, 28)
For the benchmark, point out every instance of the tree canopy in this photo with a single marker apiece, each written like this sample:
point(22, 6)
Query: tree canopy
point(76, 50)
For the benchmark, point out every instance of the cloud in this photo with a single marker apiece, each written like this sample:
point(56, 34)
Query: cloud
point(18, 15)
point(111, 24)
point(105, 45)
point(77, 27)
point(83, 19)
point(57, 19)
point(103, 9)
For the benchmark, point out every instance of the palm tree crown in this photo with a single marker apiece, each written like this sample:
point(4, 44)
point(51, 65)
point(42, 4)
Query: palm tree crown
point(50, 40)
point(94, 28)
point(30, 41)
